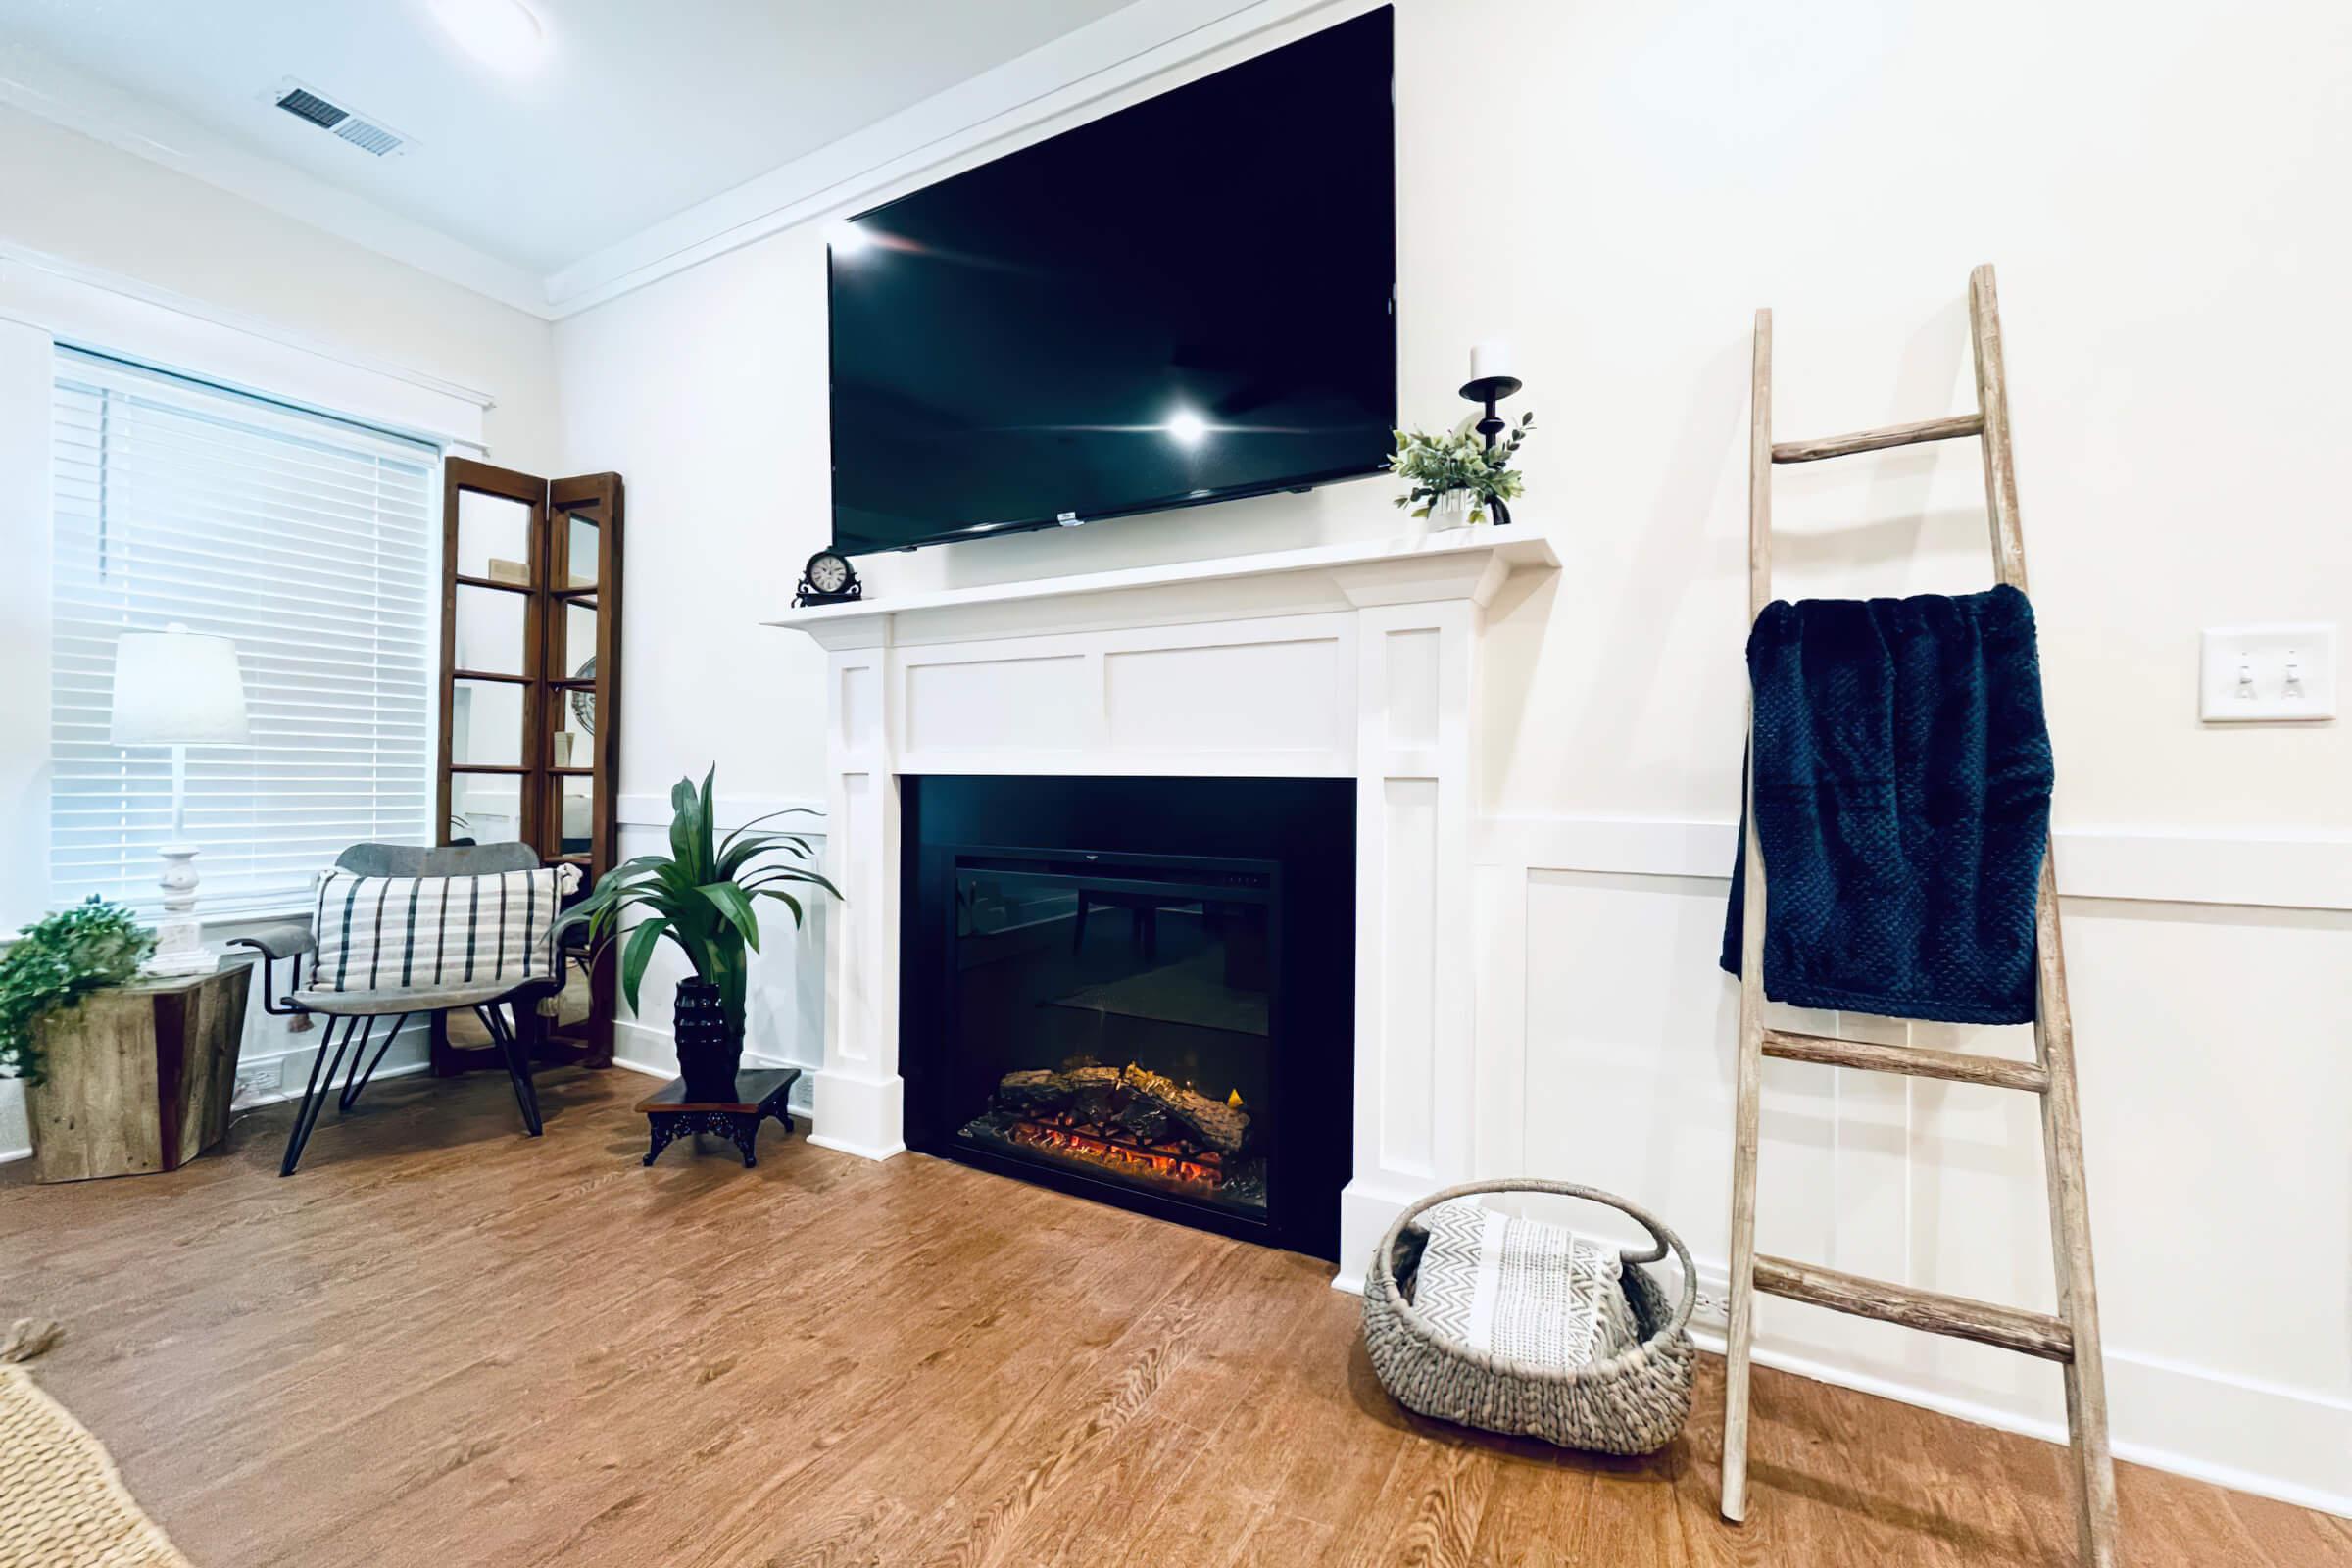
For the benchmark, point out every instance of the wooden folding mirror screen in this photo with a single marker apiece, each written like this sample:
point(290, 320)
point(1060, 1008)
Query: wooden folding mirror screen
point(530, 697)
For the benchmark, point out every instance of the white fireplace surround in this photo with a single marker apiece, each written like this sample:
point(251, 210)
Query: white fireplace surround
point(1355, 661)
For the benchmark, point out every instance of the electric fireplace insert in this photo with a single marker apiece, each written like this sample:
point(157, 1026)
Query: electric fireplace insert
point(1137, 989)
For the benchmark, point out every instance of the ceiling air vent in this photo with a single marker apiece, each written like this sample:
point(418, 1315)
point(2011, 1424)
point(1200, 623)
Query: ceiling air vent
point(359, 130)
point(366, 136)
point(313, 108)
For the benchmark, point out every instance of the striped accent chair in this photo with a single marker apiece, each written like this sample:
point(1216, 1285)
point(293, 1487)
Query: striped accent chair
point(397, 932)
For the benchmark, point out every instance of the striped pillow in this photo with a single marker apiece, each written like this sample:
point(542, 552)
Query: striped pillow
point(392, 933)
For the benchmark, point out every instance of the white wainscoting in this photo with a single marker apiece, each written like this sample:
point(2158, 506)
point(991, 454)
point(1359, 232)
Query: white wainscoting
point(2211, 1034)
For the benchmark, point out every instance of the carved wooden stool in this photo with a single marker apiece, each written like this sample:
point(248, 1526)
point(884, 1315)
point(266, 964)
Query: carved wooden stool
point(670, 1115)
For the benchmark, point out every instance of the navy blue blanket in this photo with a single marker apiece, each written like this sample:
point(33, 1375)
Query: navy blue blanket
point(1902, 789)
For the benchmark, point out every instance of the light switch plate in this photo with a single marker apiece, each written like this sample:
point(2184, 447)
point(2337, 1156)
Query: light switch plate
point(2268, 674)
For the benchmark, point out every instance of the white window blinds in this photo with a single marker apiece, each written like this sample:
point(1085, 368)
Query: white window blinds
point(305, 539)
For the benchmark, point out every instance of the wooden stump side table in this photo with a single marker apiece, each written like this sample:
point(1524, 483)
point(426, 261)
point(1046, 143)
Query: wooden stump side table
point(670, 1115)
point(140, 1076)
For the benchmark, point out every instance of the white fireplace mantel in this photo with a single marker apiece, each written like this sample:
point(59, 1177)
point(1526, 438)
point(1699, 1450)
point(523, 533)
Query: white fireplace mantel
point(1352, 661)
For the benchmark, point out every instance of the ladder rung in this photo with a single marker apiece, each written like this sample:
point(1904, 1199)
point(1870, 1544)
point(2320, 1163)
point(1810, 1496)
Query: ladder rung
point(1916, 1061)
point(1891, 435)
point(2029, 1332)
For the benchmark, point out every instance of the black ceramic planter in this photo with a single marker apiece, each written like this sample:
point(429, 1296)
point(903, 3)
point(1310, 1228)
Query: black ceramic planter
point(708, 1051)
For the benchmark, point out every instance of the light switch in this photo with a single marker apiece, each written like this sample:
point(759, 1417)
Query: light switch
point(2268, 674)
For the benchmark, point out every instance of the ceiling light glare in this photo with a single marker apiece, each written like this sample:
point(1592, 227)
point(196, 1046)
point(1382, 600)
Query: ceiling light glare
point(505, 33)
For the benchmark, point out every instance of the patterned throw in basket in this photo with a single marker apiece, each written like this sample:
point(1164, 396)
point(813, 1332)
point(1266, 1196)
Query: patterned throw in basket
point(1535, 1293)
point(1580, 1351)
point(386, 933)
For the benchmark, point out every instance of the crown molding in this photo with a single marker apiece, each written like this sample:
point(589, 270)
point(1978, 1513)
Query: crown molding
point(1129, 47)
point(1106, 56)
point(83, 104)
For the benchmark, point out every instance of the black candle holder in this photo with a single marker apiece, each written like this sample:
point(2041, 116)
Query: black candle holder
point(1491, 390)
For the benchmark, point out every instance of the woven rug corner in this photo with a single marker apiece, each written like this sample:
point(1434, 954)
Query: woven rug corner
point(62, 1503)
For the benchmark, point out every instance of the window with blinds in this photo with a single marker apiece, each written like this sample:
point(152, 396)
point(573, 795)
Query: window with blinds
point(308, 540)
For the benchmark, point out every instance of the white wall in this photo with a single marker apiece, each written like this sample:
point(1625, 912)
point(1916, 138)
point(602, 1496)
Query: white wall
point(65, 195)
point(2162, 200)
point(2170, 256)
point(90, 210)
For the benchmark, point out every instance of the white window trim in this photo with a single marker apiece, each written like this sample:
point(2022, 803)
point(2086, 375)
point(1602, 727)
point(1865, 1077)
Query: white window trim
point(122, 315)
point(43, 300)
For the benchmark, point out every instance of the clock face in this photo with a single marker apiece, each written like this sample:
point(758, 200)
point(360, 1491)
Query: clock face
point(828, 573)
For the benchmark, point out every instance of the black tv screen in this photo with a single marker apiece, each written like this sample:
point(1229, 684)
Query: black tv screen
point(1183, 301)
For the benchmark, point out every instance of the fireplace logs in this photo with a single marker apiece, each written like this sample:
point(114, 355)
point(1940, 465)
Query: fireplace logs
point(1141, 1105)
point(1141, 1126)
point(1215, 1123)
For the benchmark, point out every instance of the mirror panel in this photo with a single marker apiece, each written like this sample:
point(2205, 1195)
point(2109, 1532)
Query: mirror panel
point(581, 538)
point(572, 807)
point(494, 538)
point(484, 808)
point(490, 629)
point(573, 741)
point(575, 640)
point(575, 716)
point(485, 723)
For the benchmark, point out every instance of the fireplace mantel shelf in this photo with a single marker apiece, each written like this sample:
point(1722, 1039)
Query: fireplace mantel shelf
point(1506, 551)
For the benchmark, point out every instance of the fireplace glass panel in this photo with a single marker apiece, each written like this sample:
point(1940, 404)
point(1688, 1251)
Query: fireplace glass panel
point(1117, 1021)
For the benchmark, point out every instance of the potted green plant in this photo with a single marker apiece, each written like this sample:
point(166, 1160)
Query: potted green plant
point(703, 897)
point(1459, 471)
point(53, 963)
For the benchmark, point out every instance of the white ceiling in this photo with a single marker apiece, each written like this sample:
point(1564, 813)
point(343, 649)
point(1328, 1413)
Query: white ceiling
point(633, 111)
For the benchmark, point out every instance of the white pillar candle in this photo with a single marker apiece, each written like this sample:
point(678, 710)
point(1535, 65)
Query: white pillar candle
point(1489, 360)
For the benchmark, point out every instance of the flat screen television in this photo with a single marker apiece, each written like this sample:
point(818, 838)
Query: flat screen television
point(1187, 300)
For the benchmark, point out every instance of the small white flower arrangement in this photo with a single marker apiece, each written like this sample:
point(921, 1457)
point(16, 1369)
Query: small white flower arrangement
point(1440, 467)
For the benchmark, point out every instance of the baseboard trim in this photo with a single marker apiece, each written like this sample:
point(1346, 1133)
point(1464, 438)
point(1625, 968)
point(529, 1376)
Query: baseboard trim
point(2277, 1488)
point(389, 1070)
point(642, 1048)
point(650, 1069)
point(392, 1066)
point(2142, 1381)
point(862, 1150)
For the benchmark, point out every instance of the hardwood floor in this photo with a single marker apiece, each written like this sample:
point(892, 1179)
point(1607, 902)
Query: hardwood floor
point(445, 1344)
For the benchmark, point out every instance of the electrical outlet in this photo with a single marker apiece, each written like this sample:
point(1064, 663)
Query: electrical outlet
point(257, 1080)
point(2268, 674)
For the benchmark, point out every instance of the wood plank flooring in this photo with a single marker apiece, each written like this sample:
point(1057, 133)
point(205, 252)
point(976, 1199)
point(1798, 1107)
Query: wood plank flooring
point(444, 1344)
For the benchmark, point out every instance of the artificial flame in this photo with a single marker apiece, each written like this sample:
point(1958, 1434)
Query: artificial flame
point(1203, 1167)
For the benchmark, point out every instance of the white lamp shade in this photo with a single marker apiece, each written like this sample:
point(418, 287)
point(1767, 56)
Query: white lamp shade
point(177, 688)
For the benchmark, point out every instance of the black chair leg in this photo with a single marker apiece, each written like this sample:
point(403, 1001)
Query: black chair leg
point(351, 1090)
point(518, 1067)
point(351, 1074)
point(306, 1116)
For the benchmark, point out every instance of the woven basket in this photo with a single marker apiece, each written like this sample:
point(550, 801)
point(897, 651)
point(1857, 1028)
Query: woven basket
point(1633, 1403)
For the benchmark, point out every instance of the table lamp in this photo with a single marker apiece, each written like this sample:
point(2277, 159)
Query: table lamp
point(179, 689)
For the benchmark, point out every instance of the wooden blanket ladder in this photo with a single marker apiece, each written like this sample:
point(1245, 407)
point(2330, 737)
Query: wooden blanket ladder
point(2071, 1338)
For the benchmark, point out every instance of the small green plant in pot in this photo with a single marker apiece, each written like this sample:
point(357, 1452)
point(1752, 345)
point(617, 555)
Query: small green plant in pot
point(1459, 471)
point(703, 896)
point(55, 963)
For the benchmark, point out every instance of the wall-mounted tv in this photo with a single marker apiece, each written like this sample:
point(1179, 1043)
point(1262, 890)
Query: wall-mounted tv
point(1187, 300)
